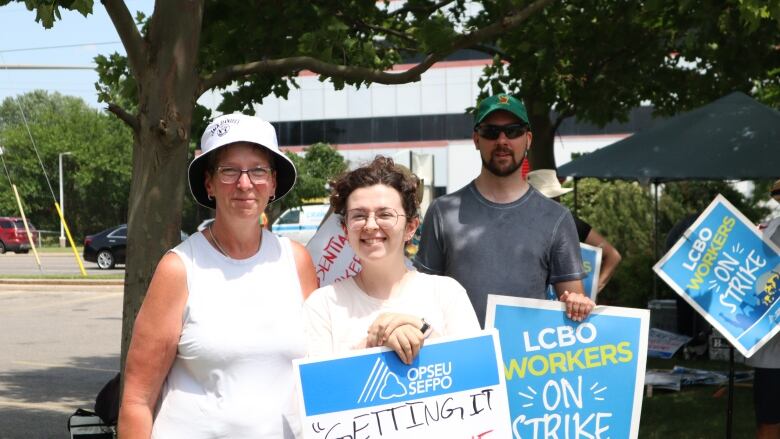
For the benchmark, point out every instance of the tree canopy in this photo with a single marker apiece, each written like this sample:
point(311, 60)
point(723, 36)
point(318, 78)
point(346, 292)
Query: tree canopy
point(596, 60)
point(97, 172)
point(318, 165)
point(186, 48)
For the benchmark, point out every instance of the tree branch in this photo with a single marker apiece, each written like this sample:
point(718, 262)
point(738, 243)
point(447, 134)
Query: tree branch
point(124, 116)
point(561, 117)
point(128, 33)
point(493, 51)
point(383, 30)
point(429, 10)
point(354, 73)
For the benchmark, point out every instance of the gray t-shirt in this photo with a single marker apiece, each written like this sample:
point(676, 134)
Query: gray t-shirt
point(514, 249)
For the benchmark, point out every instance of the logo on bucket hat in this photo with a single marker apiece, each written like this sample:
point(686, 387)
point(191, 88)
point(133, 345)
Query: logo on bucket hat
point(222, 129)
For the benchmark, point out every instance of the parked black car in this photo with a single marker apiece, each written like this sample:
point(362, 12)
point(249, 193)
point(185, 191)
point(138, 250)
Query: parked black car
point(107, 248)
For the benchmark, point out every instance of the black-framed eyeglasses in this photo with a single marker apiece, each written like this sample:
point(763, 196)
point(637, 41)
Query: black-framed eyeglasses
point(385, 218)
point(230, 175)
point(512, 131)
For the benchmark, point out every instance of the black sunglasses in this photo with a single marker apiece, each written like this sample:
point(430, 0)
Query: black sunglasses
point(512, 131)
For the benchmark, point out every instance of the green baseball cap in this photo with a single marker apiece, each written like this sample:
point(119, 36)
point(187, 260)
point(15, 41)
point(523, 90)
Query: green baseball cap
point(503, 102)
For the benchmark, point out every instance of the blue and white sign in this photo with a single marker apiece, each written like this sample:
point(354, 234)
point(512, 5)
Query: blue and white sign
point(454, 388)
point(591, 264)
point(567, 379)
point(723, 268)
point(664, 344)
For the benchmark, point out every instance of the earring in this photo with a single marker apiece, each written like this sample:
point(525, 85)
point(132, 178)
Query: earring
point(210, 197)
point(271, 198)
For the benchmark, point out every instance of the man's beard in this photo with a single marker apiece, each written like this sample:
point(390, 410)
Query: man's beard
point(505, 171)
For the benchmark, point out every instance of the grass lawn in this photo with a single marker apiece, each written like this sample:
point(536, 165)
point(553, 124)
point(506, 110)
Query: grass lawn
point(46, 249)
point(694, 412)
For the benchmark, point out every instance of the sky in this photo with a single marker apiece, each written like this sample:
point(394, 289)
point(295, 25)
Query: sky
point(23, 41)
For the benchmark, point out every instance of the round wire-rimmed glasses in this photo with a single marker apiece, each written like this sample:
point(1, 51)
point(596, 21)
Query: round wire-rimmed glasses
point(385, 218)
point(257, 175)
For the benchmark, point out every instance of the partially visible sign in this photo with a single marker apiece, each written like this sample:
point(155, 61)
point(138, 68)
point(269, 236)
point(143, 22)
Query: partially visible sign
point(567, 379)
point(591, 264)
point(729, 274)
point(454, 388)
point(663, 344)
point(331, 253)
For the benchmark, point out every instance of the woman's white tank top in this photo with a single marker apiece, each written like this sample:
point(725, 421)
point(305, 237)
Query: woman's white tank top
point(242, 327)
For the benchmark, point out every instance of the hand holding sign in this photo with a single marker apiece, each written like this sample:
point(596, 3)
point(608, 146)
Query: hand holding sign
point(406, 341)
point(578, 306)
point(384, 325)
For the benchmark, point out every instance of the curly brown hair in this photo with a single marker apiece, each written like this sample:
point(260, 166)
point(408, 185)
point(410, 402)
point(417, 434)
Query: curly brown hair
point(382, 170)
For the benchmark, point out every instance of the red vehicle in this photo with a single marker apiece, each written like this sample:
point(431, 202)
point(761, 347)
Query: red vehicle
point(13, 236)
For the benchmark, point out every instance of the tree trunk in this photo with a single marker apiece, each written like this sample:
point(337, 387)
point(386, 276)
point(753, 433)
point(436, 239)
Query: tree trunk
point(542, 153)
point(165, 68)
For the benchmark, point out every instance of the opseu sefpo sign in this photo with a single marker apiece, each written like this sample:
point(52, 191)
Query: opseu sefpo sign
point(454, 388)
point(567, 379)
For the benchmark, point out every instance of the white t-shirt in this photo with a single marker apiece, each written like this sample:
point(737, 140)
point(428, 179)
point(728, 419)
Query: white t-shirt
point(338, 315)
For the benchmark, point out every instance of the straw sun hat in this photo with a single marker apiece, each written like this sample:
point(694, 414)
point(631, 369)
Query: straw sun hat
point(546, 182)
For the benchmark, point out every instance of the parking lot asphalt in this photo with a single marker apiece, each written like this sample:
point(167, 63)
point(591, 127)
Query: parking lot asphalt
point(60, 344)
point(51, 264)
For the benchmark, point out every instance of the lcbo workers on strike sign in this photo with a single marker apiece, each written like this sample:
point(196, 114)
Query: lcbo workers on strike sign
point(454, 388)
point(723, 268)
point(570, 380)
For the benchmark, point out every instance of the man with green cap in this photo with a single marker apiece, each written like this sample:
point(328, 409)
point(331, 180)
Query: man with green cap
point(498, 235)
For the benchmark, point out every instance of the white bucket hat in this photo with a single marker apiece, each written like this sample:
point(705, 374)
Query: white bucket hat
point(231, 128)
point(546, 182)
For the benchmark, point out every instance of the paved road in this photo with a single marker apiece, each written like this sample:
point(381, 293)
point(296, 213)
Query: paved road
point(58, 346)
point(51, 263)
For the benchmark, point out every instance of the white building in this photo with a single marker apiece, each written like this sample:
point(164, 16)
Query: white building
point(426, 117)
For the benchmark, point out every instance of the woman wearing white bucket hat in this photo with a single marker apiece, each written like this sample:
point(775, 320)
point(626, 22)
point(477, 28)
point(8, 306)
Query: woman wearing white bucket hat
point(546, 182)
point(213, 344)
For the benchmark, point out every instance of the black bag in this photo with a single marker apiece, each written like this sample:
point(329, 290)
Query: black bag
point(107, 401)
point(84, 424)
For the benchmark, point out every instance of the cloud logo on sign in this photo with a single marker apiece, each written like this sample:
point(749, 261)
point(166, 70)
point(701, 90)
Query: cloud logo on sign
point(381, 382)
point(392, 387)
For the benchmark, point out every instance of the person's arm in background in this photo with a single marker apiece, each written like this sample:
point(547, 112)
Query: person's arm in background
point(610, 257)
point(566, 270)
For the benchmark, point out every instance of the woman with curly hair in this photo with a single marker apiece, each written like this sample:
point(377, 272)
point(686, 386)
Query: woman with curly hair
point(386, 303)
